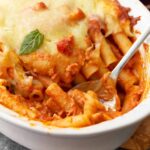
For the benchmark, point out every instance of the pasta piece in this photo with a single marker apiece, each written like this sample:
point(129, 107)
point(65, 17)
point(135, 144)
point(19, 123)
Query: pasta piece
point(36, 95)
point(95, 76)
point(13, 71)
point(122, 41)
point(106, 88)
point(53, 106)
point(99, 40)
point(78, 97)
point(40, 63)
point(3, 82)
point(115, 50)
point(75, 121)
point(132, 98)
point(90, 68)
point(137, 66)
point(23, 83)
point(126, 26)
point(127, 79)
point(37, 85)
point(16, 103)
point(118, 103)
point(92, 64)
point(94, 109)
point(61, 97)
point(5, 60)
point(89, 116)
point(102, 68)
point(107, 54)
point(79, 79)
point(132, 61)
point(45, 80)
point(92, 105)
point(127, 22)
point(114, 114)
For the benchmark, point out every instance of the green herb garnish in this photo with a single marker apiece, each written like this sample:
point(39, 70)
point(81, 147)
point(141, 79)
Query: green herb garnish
point(31, 42)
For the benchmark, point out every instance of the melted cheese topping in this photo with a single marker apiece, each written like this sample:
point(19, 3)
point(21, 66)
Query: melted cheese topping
point(18, 18)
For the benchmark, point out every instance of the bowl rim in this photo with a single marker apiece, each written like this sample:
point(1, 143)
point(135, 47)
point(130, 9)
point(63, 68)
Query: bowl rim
point(134, 116)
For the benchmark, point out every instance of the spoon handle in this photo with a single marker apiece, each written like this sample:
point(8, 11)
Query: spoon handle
point(134, 48)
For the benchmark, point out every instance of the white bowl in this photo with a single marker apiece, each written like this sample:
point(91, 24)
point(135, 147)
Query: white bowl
point(104, 136)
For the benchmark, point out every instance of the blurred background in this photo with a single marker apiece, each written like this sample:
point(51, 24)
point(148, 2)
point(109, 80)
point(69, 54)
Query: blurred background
point(147, 3)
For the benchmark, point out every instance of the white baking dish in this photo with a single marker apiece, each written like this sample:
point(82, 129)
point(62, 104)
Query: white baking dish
point(104, 136)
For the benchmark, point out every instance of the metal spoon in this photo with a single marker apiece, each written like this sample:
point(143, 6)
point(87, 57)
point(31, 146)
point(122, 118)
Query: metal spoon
point(95, 85)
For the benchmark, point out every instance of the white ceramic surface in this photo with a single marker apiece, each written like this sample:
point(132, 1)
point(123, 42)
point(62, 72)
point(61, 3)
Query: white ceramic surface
point(105, 136)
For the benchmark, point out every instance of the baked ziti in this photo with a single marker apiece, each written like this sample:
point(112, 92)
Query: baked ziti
point(49, 46)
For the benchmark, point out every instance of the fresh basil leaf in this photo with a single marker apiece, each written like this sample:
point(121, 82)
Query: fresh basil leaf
point(31, 42)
